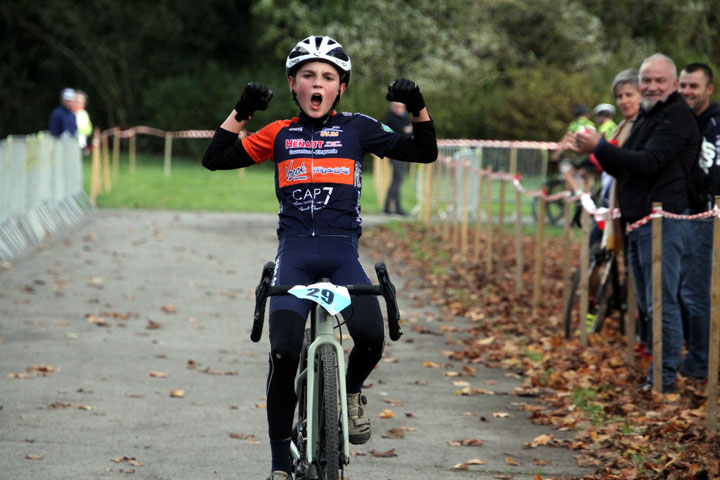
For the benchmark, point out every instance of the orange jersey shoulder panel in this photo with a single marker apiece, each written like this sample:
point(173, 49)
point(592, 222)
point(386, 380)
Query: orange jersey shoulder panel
point(260, 144)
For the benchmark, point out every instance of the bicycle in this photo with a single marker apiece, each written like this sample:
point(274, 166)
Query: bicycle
point(555, 209)
point(320, 445)
point(610, 292)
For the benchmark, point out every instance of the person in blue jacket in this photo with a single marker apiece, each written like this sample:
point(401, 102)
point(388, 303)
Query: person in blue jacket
point(62, 118)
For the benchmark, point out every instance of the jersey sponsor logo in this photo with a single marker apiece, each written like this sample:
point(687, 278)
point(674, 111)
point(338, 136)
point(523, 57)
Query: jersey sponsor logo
point(334, 170)
point(295, 129)
point(386, 128)
point(311, 198)
point(330, 133)
point(302, 143)
point(295, 174)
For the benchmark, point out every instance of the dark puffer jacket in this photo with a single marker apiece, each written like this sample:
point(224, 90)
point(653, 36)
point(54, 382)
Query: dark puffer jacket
point(653, 164)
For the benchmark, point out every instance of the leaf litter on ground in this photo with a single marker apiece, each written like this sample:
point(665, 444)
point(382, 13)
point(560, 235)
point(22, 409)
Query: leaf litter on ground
point(618, 431)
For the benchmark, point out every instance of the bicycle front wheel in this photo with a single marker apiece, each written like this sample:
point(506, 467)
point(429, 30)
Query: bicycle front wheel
point(328, 454)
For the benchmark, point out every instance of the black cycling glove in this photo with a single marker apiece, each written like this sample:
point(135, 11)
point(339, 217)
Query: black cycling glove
point(406, 91)
point(255, 96)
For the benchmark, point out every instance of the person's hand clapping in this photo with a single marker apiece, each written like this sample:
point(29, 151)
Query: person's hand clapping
point(255, 96)
point(587, 140)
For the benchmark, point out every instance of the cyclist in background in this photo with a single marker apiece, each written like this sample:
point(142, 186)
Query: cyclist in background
point(604, 114)
point(318, 158)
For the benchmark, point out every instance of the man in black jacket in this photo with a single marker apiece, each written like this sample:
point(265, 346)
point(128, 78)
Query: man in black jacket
point(652, 166)
point(696, 86)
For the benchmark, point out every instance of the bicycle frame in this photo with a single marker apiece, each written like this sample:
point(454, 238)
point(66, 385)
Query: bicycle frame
point(322, 326)
point(308, 431)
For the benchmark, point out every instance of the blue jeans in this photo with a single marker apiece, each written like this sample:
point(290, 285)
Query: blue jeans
point(640, 259)
point(695, 295)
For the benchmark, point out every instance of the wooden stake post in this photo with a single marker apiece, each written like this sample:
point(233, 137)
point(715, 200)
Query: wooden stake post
point(518, 242)
point(457, 216)
point(427, 207)
point(167, 160)
point(116, 152)
point(107, 184)
point(446, 203)
point(478, 218)
point(488, 209)
point(712, 386)
point(501, 225)
point(539, 253)
point(95, 174)
point(439, 198)
point(133, 148)
point(657, 300)
point(467, 168)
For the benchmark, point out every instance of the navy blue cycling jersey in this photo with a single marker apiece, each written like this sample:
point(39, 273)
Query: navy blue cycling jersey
point(318, 165)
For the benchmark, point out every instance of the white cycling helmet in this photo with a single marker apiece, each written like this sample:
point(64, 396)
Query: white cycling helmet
point(323, 49)
point(605, 108)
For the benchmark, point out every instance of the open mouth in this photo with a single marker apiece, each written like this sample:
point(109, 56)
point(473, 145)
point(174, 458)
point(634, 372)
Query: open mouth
point(316, 100)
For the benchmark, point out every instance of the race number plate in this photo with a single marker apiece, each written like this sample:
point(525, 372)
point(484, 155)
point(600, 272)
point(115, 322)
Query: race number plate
point(331, 297)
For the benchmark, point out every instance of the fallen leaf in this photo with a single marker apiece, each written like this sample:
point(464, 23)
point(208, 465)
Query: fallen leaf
point(153, 325)
point(500, 414)
point(248, 437)
point(33, 456)
point(99, 321)
point(543, 439)
point(510, 461)
point(394, 433)
point(177, 393)
point(386, 414)
point(461, 383)
point(394, 403)
point(158, 374)
point(467, 442)
point(169, 309)
point(385, 454)
point(429, 364)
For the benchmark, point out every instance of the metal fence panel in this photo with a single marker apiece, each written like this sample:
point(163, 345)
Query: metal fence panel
point(41, 189)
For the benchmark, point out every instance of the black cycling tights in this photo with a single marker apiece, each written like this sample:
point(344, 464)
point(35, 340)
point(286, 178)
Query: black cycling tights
point(365, 325)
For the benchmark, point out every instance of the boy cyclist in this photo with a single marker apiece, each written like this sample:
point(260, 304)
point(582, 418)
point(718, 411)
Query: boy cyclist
point(318, 160)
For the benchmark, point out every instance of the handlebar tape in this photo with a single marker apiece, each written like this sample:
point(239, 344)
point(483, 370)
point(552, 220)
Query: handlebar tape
point(393, 313)
point(261, 294)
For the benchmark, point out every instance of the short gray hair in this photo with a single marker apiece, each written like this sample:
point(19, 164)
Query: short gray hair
point(664, 58)
point(626, 76)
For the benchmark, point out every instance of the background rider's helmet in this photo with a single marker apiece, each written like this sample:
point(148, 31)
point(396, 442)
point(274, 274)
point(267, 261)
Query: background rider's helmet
point(606, 109)
point(319, 49)
point(579, 110)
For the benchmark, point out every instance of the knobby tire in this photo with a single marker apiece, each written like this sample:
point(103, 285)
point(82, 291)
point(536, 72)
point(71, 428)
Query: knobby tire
point(605, 293)
point(328, 453)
